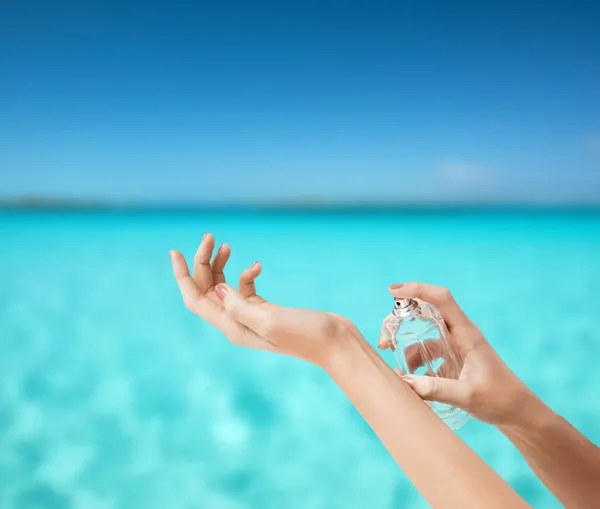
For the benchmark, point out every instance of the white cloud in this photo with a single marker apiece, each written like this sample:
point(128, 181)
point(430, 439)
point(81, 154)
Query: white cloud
point(462, 173)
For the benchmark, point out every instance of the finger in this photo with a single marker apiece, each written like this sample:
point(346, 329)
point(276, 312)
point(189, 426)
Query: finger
point(384, 340)
point(387, 336)
point(187, 285)
point(254, 315)
point(444, 390)
point(202, 269)
point(247, 286)
point(211, 311)
point(439, 296)
point(192, 296)
point(448, 370)
point(385, 343)
point(218, 264)
point(418, 354)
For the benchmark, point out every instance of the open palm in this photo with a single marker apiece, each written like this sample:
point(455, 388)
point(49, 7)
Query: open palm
point(249, 320)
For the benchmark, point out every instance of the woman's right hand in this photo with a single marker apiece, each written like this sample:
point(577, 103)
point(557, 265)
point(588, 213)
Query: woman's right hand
point(486, 387)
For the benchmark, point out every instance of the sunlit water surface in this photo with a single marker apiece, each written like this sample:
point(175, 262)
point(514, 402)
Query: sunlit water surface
point(112, 395)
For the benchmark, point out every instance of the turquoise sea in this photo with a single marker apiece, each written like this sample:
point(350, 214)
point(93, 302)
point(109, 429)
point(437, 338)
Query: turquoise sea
point(112, 395)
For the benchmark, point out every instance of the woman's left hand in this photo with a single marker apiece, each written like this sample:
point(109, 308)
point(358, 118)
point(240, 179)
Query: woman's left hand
point(249, 320)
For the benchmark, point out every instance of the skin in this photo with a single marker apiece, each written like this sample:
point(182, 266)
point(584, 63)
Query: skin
point(563, 459)
point(442, 467)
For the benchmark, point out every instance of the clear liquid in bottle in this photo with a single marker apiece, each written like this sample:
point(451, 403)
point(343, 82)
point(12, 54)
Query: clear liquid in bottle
point(419, 338)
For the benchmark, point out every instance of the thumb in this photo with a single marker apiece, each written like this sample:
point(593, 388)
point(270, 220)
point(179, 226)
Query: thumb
point(443, 390)
point(252, 315)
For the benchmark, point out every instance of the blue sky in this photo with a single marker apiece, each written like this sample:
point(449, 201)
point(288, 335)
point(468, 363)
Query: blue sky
point(275, 101)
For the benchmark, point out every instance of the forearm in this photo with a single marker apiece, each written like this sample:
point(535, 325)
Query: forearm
point(563, 459)
point(440, 465)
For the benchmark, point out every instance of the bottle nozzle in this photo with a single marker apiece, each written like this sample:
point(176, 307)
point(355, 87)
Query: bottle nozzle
point(403, 307)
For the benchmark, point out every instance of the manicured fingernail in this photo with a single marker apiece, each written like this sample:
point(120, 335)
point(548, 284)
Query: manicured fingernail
point(409, 379)
point(396, 286)
point(204, 236)
point(220, 247)
point(221, 290)
point(172, 255)
point(254, 264)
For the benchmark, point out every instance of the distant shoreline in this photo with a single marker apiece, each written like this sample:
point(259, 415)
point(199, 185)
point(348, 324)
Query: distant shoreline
point(66, 205)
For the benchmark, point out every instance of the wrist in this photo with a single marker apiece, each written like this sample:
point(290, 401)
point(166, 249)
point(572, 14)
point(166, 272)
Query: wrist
point(532, 418)
point(341, 351)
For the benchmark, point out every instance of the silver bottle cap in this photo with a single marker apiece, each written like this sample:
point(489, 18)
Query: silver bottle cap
point(405, 307)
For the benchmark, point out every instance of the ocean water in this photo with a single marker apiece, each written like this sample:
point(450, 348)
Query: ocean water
point(113, 395)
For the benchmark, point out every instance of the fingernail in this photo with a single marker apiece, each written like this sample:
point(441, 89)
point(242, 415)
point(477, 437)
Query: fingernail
point(254, 264)
point(204, 236)
point(221, 290)
point(172, 255)
point(409, 379)
point(396, 286)
point(219, 249)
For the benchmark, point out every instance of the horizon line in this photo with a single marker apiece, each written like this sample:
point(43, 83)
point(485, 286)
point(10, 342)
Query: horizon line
point(68, 204)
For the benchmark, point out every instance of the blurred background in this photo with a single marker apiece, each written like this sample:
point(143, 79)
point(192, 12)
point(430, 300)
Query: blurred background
point(345, 145)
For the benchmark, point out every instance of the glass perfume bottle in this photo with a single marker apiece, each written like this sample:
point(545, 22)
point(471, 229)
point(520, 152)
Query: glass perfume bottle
point(418, 336)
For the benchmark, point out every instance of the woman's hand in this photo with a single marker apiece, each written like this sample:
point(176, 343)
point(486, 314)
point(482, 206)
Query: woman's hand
point(486, 387)
point(563, 459)
point(420, 444)
point(247, 319)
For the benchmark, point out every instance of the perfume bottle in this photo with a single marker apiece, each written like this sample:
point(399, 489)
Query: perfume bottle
point(415, 331)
